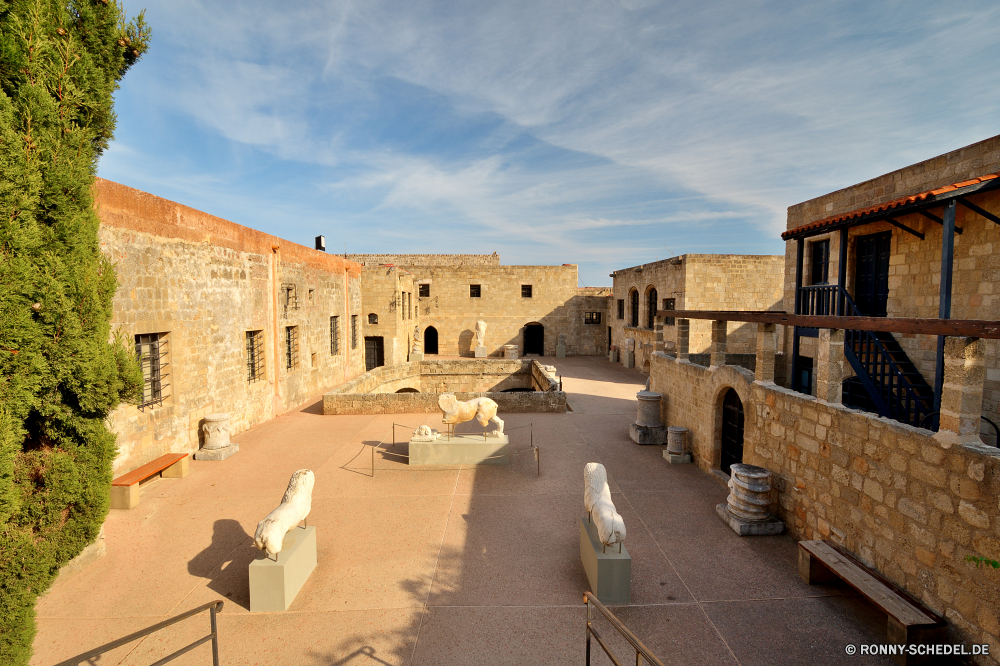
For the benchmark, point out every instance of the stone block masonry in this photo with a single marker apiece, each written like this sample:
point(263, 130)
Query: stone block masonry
point(202, 284)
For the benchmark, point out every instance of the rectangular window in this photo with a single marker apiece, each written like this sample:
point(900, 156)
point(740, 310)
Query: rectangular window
point(475, 291)
point(289, 297)
point(525, 291)
point(255, 356)
point(591, 317)
point(820, 262)
point(334, 335)
point(424, 291)
point(151, 348)
point(354, 331)
point(669, 304)
point(312, 297)
point(621, 308)
point(291, 347)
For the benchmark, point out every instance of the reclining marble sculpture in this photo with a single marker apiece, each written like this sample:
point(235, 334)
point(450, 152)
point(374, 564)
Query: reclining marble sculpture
point(597, 499)
point(483, 410)
point(424, 434)
point(295, 506)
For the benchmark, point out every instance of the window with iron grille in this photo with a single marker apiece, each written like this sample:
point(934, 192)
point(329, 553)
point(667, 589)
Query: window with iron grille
point(669, 304)
point(151, 348)
point(424, 291)
point(289, 297)
point(591, 317)
point(372, 318)
point(354, 331)
point(525, 291)
point(334, 335)
point(291, 347)
point(255, 356)
point(621, 308)
point(475, 291)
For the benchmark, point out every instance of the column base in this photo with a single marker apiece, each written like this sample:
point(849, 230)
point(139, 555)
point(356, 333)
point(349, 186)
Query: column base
point(217, 454)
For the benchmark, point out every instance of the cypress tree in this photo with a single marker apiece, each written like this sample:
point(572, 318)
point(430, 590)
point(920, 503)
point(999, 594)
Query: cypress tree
point(61, 369)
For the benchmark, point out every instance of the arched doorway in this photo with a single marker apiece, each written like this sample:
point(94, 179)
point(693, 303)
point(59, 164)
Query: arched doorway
point(651, 308)
point(534, 339)
point(430, 340)
point(407, 390)
point(732, 430)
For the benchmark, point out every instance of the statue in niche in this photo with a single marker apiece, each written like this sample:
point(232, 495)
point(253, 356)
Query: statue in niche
point(418, 345)
point(597, 499)
point(295, 506)
point(483, 410)
point(480, 333)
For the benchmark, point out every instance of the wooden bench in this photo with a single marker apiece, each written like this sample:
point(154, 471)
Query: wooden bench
point(125, 489)
point(909, 621)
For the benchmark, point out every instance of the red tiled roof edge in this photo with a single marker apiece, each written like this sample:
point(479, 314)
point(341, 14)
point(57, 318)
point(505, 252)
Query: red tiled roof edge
point(859, 212)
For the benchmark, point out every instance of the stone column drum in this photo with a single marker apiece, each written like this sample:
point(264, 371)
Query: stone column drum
point(217, 444)
point(676, 445)
point(746, 510)
point(510, 351)
point(648, 428)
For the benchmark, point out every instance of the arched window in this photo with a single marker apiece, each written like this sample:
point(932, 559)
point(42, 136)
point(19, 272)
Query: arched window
point(373, 318)
point(651, 308)
point(634, 298)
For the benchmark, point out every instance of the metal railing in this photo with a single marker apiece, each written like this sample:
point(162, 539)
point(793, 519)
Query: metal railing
point(641, 651)
point(213, 607)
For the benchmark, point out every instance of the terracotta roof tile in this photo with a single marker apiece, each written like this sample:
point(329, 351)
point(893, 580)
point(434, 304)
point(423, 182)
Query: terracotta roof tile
point(895, 203)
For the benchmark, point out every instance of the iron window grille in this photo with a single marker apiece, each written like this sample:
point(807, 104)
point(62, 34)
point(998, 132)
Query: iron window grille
point(289, 297)
point(151, 350)
point(424, 291)
point(591, 317)
point(255, 356)
point(669, 304)
point(334, 335)
point(525, 291)
point(354, 331)
point(291, 347)
point(621, 308)
point(475, 291)
point(372, 318)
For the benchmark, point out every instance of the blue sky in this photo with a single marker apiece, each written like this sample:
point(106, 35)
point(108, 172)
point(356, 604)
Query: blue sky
point(603, 133)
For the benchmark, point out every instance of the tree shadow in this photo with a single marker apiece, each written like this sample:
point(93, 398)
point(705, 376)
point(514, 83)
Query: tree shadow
point(225, 562)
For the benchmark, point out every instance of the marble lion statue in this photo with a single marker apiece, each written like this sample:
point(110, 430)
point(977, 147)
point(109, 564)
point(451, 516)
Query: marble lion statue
point(483, 410)
point(295, 506)
point(597, 499)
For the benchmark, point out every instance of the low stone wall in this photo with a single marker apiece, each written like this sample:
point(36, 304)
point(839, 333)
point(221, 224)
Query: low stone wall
point(375, 392)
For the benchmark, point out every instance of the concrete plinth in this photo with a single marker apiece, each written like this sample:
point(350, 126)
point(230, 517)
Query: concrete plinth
point(560, 351)
point(273, 585)
point(613, 356)
point(749, 528)
point(629, 359)
point(216, 454)
point(481, 352)
point(675, 458)
point(416, 357)
point(461, 450)
point(641, 434)
point(608, 571)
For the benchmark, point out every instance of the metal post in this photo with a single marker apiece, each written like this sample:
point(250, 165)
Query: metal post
point(842, 274)
point(944, 300)
point(588, 629)
point(373, 462)
point(215, 638)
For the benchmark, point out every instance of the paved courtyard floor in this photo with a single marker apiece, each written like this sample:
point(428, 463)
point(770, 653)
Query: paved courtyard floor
point(451, 566)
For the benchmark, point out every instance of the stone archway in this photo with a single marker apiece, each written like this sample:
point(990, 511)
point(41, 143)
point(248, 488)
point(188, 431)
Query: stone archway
point(731, 435)
point(430, 340)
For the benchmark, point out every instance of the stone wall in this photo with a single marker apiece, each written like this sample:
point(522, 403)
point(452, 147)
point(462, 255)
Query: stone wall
point(205, 282)
point(910, 504)
point(388, 292)
point(441, 260)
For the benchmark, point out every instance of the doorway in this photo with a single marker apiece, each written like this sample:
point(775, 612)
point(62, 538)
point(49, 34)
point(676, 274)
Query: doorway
point(732, 431)
point(871, 287)
point(374, 352)
point(534, 339)
point(430, 340)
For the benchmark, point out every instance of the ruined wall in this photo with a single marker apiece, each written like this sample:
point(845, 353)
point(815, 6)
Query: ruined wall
point(205, 282)
point(907, 503)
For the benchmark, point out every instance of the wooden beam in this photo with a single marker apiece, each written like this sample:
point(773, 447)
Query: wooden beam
point(968, 328)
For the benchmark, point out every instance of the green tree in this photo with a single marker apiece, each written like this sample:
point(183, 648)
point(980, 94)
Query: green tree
point(61, 370)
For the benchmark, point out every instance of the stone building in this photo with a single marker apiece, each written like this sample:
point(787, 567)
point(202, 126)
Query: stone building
point(848, 457)
point(226, 319)
point(692, 282)
point(388, 301)
point(532, 307)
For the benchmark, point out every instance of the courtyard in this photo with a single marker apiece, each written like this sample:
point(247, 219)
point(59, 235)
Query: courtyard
point(442, 566)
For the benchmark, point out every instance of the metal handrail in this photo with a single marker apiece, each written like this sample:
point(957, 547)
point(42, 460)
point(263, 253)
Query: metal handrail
point(641, 651)
point(996, 428)
point(213, 607)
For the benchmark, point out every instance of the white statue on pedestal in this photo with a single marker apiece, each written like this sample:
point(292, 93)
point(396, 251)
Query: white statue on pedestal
point(418, 345)
point(480, 333)
point(295, 506)
point(483, 410)
point(597, 499)
point(424, 434)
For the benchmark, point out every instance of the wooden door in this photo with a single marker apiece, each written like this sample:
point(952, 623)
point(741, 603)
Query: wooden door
point(732, 430)
point(871, 288)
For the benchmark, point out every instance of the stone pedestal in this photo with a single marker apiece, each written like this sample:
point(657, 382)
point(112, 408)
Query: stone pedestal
point(746, 510)
point(629, 359)
point(613, 356)
point(510, 351)
point(416, 357)
point(481, 352)
point(217, 445)
point(608, 571)
point(677, 445)
point(273, 585)
point(461, 450)
point(648, 428)
point(560, 351)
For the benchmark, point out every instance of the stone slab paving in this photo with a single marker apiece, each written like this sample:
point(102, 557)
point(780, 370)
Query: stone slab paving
point(451, 566)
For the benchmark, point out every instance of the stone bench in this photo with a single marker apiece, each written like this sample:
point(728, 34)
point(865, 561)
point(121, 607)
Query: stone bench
point(908, 621)
point(125, 489)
